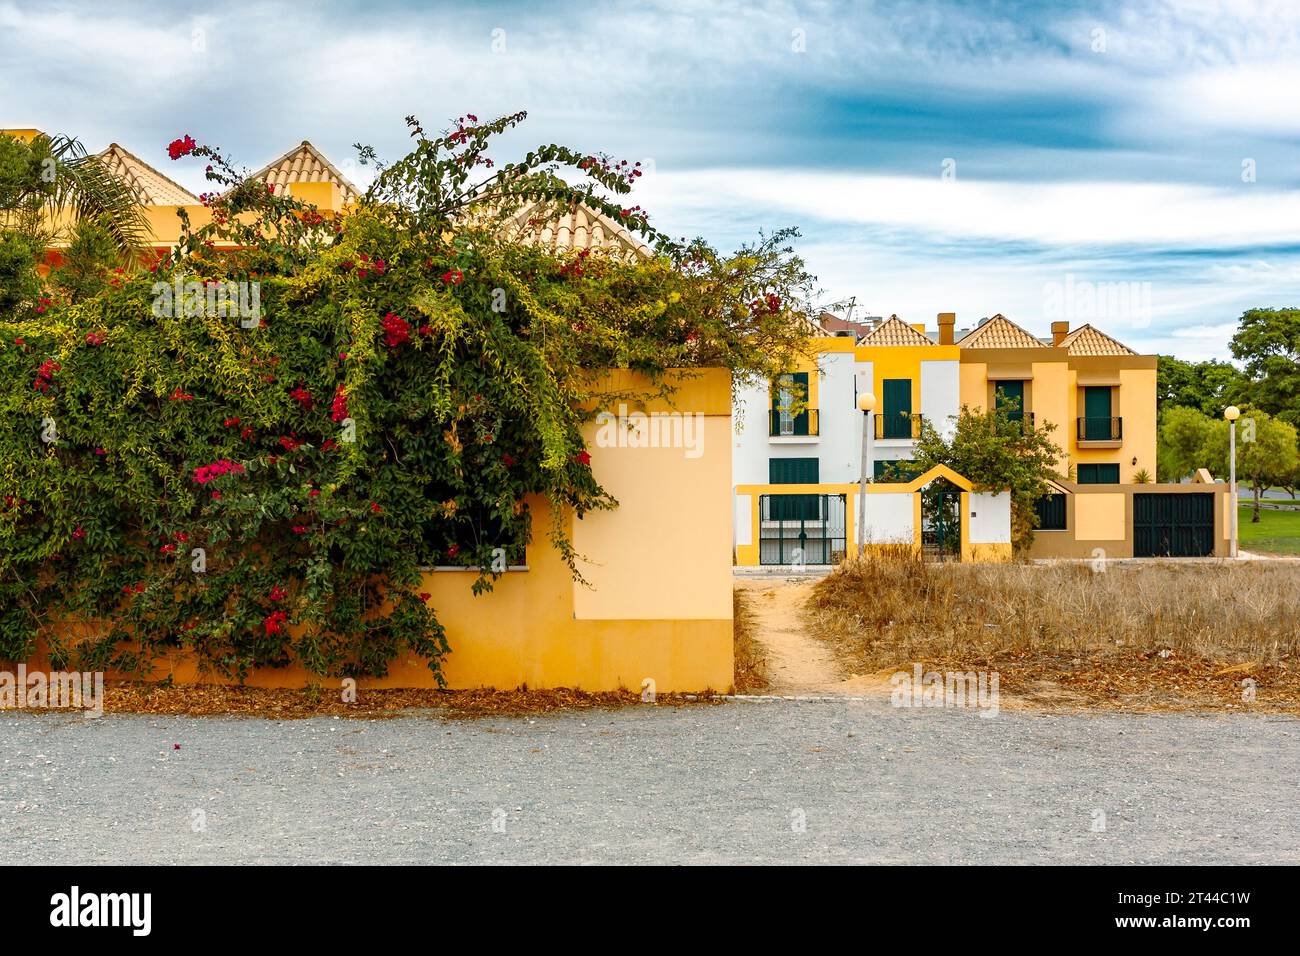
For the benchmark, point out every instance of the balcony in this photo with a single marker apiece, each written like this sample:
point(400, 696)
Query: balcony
point(1100, 432)
point(902, 426)
point(781, 424)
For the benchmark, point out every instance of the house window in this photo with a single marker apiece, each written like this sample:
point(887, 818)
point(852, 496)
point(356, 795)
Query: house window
point(896, 412)
point(1097, 425)
point(897, 470)
point(1099, 474)
point(792, 471)
point(789, 391)
point(1051, 512)
point(1011, 396)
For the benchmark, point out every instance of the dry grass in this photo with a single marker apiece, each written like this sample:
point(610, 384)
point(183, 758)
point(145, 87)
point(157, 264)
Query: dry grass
point(1138, 634)
point(751, 663)
point(215, 700)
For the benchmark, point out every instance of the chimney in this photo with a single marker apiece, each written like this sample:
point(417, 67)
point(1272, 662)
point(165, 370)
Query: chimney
point(1059, 331)
point(946, 322)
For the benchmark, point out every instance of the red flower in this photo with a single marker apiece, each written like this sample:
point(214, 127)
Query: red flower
point(181, 147)
point(100, 451)
point(231, 421)
point(182, 537)
point(583, 457)
point(167, 549)
point(397, 331)
point(278, 593)
point(453, 277)
point(205, 473)
point(291, 442)
point(452, 550)
point(179, 396)
point(508, 461)
point(78, 533)
point(313, 493)
point(424, 596)
point(95, 338)
point(329, 444)
point(245, 433)
point(216, 496)
point(374, 507)
point(274, 622)
point(339, 407)
point(300, 529)
point(302, 397)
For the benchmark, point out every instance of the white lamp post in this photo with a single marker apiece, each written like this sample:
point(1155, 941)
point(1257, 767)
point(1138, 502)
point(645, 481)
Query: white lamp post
point(1232, 413)
point(867, 403)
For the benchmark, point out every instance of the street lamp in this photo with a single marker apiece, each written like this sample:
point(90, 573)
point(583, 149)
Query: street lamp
point(867, 404)
point(1232, 413)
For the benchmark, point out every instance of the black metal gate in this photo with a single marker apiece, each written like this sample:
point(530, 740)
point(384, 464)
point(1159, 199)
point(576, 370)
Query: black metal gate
point(1175, 526)
point(801, 529)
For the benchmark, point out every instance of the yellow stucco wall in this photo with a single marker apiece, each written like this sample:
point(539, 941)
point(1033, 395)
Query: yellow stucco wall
point(1100, 517)
point(659, 605)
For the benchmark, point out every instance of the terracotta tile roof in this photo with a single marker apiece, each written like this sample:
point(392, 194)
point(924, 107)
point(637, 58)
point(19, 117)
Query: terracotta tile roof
point(575, 229)
point(895, 331)
point(305, 164)
point(1085, 340)
point(999, 332)
point(151, 187)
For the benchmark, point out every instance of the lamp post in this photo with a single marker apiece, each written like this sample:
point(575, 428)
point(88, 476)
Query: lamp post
point(1232, 413)
point(867, 403)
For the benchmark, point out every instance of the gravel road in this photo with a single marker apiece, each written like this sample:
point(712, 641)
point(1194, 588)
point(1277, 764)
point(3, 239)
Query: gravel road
point(721, 784)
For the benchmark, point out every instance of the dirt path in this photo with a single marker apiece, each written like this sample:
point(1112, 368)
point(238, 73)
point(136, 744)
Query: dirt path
point(798, 663)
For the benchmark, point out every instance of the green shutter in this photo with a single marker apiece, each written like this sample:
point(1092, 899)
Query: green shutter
point(897, 408)
point(898, 470)
point(1010, 395)
point(796, 384)
point(1096, 413)
point(1102, 474)
point(792, 471)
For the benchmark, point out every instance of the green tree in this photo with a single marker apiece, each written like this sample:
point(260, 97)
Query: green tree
point(1208, 387)
point(1180, 446)
point(995, 452)
point(1268, 342)
point(1266, 451)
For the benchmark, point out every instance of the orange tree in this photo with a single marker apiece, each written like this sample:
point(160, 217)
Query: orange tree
point(251, 450)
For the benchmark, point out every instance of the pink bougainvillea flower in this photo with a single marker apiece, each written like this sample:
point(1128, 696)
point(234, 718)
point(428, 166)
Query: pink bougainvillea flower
point(216, 496)
point(339, 407)
point(453, 550)
point(205, 473)
point(99, 451)
point(95, 338)
point(397, 331)
point(300, 529)
point(181, 147)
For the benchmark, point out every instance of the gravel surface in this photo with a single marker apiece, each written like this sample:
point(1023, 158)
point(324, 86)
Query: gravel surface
point(719, 784)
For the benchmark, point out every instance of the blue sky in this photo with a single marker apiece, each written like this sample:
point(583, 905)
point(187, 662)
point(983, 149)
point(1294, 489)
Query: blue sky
point(974, 157)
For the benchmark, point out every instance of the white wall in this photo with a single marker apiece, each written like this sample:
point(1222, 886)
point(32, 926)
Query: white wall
point(990, 518)
point(889, 518)
point(941, 394)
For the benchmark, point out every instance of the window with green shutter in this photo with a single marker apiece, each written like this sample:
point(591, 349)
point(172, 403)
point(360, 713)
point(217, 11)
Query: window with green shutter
point(1098, 474)
point(896, 410)
point(789, 391)
point(896, 470)
point(792, 471)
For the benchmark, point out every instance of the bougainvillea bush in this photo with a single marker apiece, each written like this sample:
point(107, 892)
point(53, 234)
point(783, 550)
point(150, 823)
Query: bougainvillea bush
point(266, 489)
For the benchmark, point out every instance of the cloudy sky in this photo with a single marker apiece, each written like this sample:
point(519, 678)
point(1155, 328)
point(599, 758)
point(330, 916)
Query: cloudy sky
point(1132, 163)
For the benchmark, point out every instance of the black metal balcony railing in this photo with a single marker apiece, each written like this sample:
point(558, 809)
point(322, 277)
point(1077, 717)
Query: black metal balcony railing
point(1100, 429)
point(783, 424)
point(898, 426)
